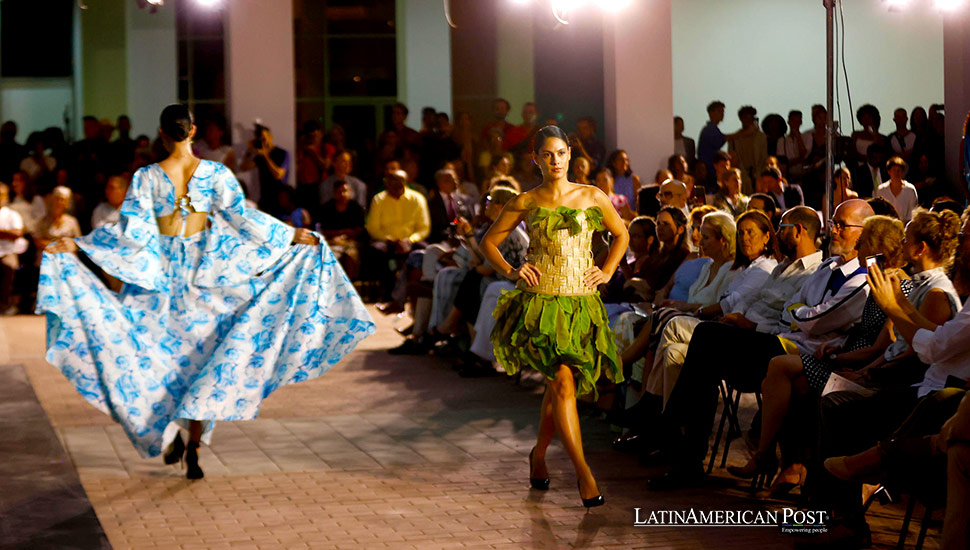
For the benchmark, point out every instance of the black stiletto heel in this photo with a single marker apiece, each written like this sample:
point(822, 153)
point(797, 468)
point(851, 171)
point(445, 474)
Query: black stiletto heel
point(598, 500)
point(192, 461)
point(175, 450)
point(538, 483)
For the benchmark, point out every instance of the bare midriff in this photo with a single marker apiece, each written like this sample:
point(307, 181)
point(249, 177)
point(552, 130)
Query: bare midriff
point(171, 225)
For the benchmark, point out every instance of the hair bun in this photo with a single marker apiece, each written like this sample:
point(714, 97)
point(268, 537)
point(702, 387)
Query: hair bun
point(176, 122)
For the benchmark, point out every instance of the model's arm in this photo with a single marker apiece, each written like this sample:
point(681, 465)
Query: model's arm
point(596, 276)
point(512, 215)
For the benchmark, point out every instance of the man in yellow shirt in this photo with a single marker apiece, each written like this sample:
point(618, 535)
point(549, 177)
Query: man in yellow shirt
point(398, 218)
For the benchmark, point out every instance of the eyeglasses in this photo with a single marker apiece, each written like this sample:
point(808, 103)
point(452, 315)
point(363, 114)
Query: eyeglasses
point(840, 226)
point(782, 225)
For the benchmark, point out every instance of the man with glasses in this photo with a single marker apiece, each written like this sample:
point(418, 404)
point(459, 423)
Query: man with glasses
point(805, 303)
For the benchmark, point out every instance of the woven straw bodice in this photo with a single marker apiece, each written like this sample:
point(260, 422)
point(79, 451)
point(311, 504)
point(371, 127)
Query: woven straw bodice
point(560, 248)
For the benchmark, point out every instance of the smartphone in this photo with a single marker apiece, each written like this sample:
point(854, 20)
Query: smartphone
point(876, 259)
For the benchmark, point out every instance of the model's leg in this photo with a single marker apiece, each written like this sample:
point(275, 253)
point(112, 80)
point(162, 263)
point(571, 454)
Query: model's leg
point(567, 424)
point(192, 469)
point(547, 429)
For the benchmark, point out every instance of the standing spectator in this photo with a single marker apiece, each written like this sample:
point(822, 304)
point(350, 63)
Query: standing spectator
point(11, 152)
point(407, 137)
point(868, 116)
point(495, 160)
point(899, 192)
point(786, 196)
point(710, 141)
point(517, 138)
point(842, 190)
point(38, 164)
point(872, 172)
point(342, 166)
point(213, 145)
point(594, 148)
point(313, 161)
point(749, 146)
point(437, 149)
point(342, 223)
point(793, 146)
point(90, 158)
point(464, 136)
point(775, 129)
point(109, 211)
point(902, 140)
point(683, 145)
point(500, 111)
point(625, 182)
point(271, 163)
point(12, 244)
point(123, 148)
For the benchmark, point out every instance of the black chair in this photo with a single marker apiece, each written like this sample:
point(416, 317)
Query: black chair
point(731, 403)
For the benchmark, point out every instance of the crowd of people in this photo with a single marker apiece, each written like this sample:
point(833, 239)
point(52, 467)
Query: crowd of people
point(725, 280)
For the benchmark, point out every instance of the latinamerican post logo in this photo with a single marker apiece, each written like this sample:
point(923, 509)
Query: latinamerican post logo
point(789, 520)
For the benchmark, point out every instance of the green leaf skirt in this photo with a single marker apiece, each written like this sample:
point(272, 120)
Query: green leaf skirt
point(543, 331)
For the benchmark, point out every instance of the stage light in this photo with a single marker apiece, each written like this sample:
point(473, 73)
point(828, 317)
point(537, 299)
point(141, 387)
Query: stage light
point(949, 5)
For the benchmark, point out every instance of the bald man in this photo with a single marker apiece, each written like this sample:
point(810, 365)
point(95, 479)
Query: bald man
point(674, 193)
point(819, 310)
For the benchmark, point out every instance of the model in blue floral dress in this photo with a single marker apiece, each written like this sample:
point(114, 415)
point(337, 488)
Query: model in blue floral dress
point(205, 326)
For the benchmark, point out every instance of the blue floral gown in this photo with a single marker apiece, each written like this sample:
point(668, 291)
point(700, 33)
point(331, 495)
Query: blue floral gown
point(206, 326)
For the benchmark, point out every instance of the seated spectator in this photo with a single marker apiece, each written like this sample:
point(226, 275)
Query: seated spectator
point(729, 197)
point(58, 223)
point(109, 211)
point(447, 204)
point(342, 166)
point(214, 146)
point(27, 202)
point(604, 180)
point(842, 180)
point(12, 244)
point(696, 217)
point(625, 182)
point(764, 203)
point(490, 161)
point(899, 192)
point(677, 165)
point(820, 305)
point(342, 224)
point(674, 194)
point(398, 219)
point(643, 245)
point(882, 207)
point(673, 235)
point(526, 172)
point(786, 196)
point(580, 171)
point(852, 422)
point(288, 211)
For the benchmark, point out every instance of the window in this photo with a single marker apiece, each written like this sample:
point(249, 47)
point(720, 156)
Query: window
point(201, 59)
point(345, 53)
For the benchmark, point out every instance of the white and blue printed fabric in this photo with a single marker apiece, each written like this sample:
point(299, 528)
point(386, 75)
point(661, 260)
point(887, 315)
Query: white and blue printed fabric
point(206, 326)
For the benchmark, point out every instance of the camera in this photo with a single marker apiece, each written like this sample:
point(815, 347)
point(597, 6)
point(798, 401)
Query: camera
point(258, 132)
point(877, 259)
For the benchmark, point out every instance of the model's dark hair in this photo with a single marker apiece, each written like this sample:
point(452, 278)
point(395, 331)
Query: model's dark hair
point(545, 133)
point(176, 122)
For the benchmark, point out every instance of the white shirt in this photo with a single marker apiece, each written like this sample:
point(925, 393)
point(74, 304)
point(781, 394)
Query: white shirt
point(746, 285)
point(10, 220)
point(218, 154)
point(905, 202)
point(704, 293)
point(788, 146)
point(785, 280)
point(946, 349)
point(103, 214)
point(909, 142)
point(34, 169)
point(820, 316)
point(31, 212)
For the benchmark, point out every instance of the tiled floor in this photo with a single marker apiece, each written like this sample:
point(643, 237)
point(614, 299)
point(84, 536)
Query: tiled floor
point(381, 452)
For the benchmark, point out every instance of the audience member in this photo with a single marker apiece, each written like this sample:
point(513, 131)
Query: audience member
point(683, 145)
point(774, 128)
point(288, 210)
point(674, 194)
point(342, 224)
point(580, 171)
point(591, 145)
point(793, 146)
point(902, 140)
point(604, 180)
point(27, 202)
point(748, 147)
point(38, 163)
point(58, 223)
point(711, 141)
point(899, 192)
point(342, 166)
point(786, 196)
point(729, 197)
point(11, 152)
point(500, 111)
point(213, 145)
point(868, 116)
point(842, 186)
point(518, 138)
point(625, 182)
point(109, 211)
point(12, 244)
point(271, 163)
point(447, 205)
point(765, 203)
point(397, 220)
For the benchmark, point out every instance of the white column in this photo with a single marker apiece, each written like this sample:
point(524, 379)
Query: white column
point(638, 84)
point(423, 57)
point(152, 62)
point(956, 90)
point(260, 80)
point(515, 70)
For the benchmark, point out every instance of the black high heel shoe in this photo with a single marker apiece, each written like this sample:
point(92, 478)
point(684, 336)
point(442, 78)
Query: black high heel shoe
point(598, 500)
point(192, 470)
point(537, 483)
point(175, 450)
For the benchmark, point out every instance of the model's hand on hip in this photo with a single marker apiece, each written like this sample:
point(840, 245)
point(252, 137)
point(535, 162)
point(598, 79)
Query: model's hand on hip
point(304, 236)
point(595, 277)
point(62, 245)
point(528, 273)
